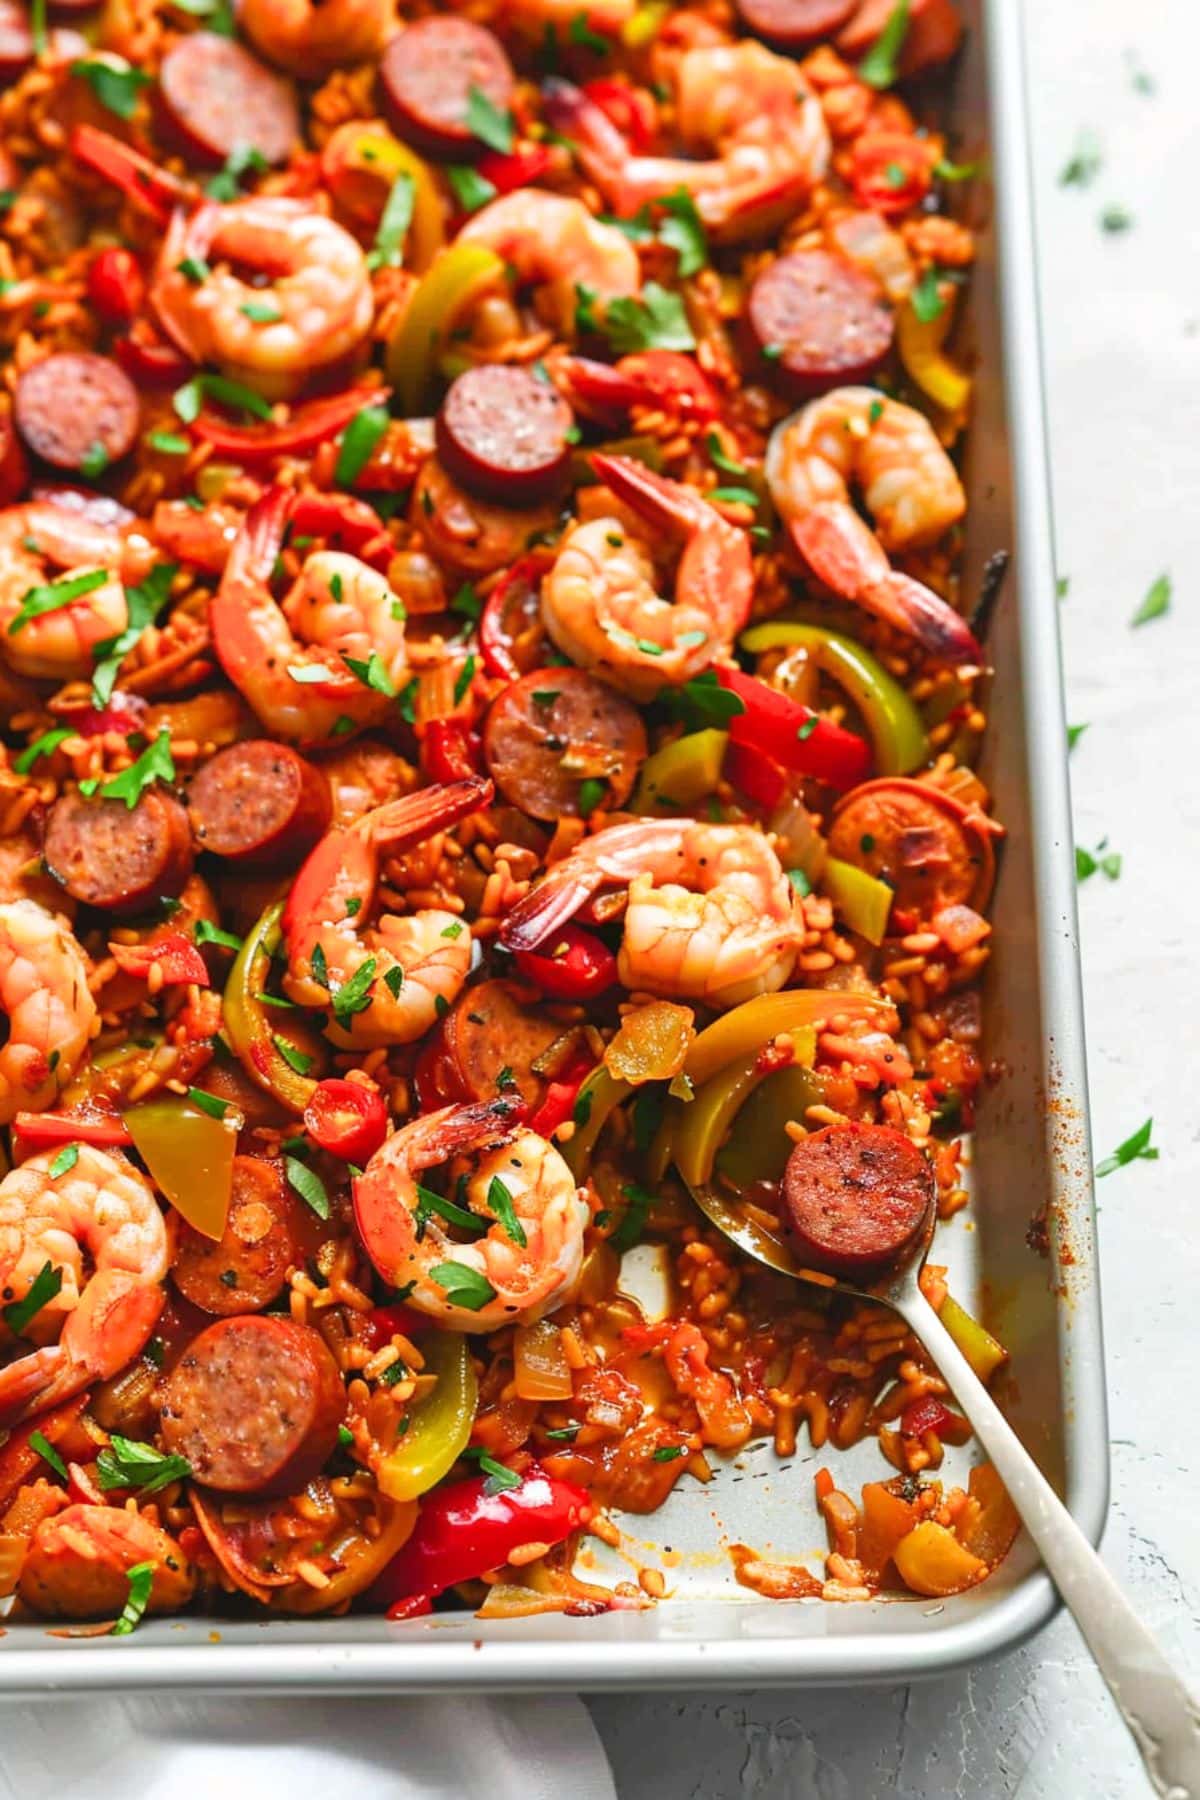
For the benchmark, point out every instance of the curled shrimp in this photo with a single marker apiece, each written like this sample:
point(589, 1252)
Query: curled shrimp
point(911, 490)
point(101, 1208)
point(753, 108)
point(315, 309)
point(47, 1004)
point(553, 244)
point(406, 968)
point(711, 915)
point(600, 601)
point(311, 40)
point(78, 1562)
point(42, 545)
point(290, 661)
point(520, 1187)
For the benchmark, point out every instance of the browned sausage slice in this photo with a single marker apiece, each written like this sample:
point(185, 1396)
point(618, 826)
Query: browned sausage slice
point(16, 42)
point(502, 433)
point(794, 23)
point(492, 1038)
point(216, 97)
point(925, 844)
point(818, 321)
point(254, 1404)
point(246, 1268)
point(120, 859)
point(855, 1196)
point(14, 470)
point(259, 803)
point(548, 733)
point(77, 411)
point(427, 76)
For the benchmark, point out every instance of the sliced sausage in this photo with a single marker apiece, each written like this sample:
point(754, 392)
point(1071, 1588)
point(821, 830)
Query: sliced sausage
point(216, 97)
point(923, 843)
point(76, 410)
point(855, 1196)
point(427, 75)
point(260, 804)
point(817, 321)
point(468, 536)
point(792, 24)
point(933, 34)
point(503, 434)
point(16, 42)
point(246, 1268)
point(119, 859)
point(490, 1041)
point(14, 470)
point(555, 729)
point(254, 1404)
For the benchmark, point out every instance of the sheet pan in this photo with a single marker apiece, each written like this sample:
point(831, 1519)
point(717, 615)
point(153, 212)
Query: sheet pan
point(1030, 1158)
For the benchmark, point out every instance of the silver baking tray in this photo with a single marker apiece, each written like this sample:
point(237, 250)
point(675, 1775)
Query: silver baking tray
point(1030, 1158)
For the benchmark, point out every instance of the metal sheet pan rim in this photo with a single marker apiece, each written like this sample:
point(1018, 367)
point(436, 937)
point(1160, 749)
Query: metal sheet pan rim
point(381, 1660)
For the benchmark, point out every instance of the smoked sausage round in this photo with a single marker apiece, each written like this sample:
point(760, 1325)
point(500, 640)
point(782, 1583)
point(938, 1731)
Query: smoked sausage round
point(259, 804)
point(818, 321)
point(548, 733)
point(216, 97)
point(245, 1269)
point(120, 859)
point(503, 434)
point(77, 411)
point(855, 1196)
point(428, 75)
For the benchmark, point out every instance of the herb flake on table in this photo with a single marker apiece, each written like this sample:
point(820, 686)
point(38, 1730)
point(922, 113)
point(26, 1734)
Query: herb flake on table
point(1157, 601)
point(1084, 163)
point(1136, 1148)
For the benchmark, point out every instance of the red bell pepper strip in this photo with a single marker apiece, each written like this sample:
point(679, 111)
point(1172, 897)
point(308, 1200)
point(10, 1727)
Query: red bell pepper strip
point(148, 360)
point(309, 426)
point(517, 168)
point(464, 1531)
point(645, 378)
point(116, 286)
point(795, 735)
point(561, 1096)
point(384, 1322)
point(176, 955)
point(349, 523)
point(926, 1414)
point(631, 110)
point(38, 1131)
point(125, 712)
point(450, 751)
point(572, 964)
point(762, 781)
point(153, 189)
point(347, 1119)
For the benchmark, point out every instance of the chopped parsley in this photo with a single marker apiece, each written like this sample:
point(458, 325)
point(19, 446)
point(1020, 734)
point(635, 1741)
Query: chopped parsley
point(1155, 604)
point(55, 594)
point(1136, 1148)
point(233, 395)
point(1087, 862)
point(116, 89)
point(354, 996)
point(124, 1463)
point(242, 160)
point(485, 121)
point(633, 1221)
point(154, 764)
point(591, 793)
point(394, 221)
point(669, 1453)
point(212, 1104)
point(683, 231)
point(471, 189)
point(295, 1059)
point(371, 673)
point(42, 1289)
point(1074, 733)
point(926, 299)
point(141, 1580)
point(880, 66)
point(143, 602)
point(463, 1286)
point(46, 745)
point(1084, 164)
point(499, 1202)
point(657, 320)
point(702, 702)
point(45, 1449)
point(308, 1185)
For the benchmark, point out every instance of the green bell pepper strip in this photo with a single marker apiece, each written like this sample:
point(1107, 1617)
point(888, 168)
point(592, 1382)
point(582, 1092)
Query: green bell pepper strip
point(248, 1028)
point(862, 901)
point(978, 1346)
point(596, 1100)
point(745, 1029)
point(714, 1114)
point(893, 722)
point(681, 773)
point(455, 280)
point(439, 1427)
point(758, 1145)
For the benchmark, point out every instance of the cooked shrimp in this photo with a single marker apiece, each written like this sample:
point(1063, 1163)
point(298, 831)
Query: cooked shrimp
point(291, 662)
point(527, 1262)
point(311, 40)
point(46, 1002)
point(99, 1207)
point(41, 547)
point(753, 107)
point(910, 488)
point(406, 968)
point(314, 309)
point(711, 915)
point(600, 601)
point(554, 245)
point(77, 1565)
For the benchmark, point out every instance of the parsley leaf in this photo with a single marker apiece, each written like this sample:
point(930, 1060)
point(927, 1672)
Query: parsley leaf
point(308, 1185)
point(354, 996)
point(65, 1161)
point(212, 1104)
point(463, 1286)
point(633, 1221)
point(485, 121)
point(926, 299)
point(394, 221)
point(42, 1289)
point(116, 89)
point(465, 677)
point(878, 67)
point(231, 394)
point(1074, 733)
point(141, 1580)
point(154, 764)
point(242, 159)
point(46, 745)
point(500, 1202)
point(591, 793)
point(371, 673)
point(45, 1449)
point(668, 1453)
point(702, 702)
point(1155, 604)
point(500, 1478)
point(657, 320)
point(429, 1202)
point(205, 932)
point(1134, 1149)
point(471, 189)
point(55, 594)
point(143, 603)
point(1085, 162)
point(683, 231)
point(125, 1463)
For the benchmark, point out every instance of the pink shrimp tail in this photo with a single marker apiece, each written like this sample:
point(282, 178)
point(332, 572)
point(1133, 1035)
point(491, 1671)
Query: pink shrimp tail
point(599, 145)
point(260, 539)
point(36, 1381)
point(653, 497)
point(920, 613)
point(549, 905)
point(408, 821)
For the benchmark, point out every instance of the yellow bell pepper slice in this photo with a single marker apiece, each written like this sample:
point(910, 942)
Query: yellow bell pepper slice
point(439, 1427)
point(980, 1348)
point(361, 163)
point(743, 1031)
point(190, 1155)
point(455, 280)
point(250, 1032)
point(920, 345)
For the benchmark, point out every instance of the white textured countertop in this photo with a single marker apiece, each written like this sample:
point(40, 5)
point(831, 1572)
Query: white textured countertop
point(1122, 341)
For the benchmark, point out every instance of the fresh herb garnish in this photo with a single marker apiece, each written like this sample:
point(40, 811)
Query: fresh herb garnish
point(668, 1453)
point(205, 932)
point(1155, 604)
point(308, 1185)
point(242, 159)
point(65, 1161)
point(880, 66)
point(702, 702)
point(295, 1059)
point(261, 312)
point(143, 603)
point(591, 793)
point(463, 1286)
point(637, 1205)
point(463, 680)
point(1108, 862)
point(429, 1202)
point(394, 221)
point(141, 1580)
point(500, 1203)
point(926, 299)
point(154, 764)
point(683, 231)
point(187, 399)
point(46, 745)
point(116, 89)
point(1137, 1148)
point(471, 189)
point(212, 1104)
point(371, 673)
point(656, 321)
point(42, 1289)
point(485, 121)
point(40, 1442)
point(354, 996)
point(124, 1463)
point(55, 594)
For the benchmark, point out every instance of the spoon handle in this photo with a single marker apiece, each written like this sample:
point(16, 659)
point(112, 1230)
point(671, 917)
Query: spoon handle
point(1162, 1715)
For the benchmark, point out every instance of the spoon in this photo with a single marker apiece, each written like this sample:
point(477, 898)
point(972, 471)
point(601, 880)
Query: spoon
point(1162, 1715)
